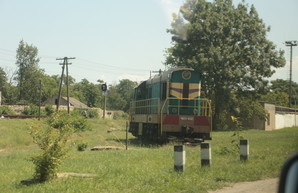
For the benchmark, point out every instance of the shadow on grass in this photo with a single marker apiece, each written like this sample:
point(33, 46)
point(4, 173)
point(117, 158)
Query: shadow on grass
point(138, 143)
point(29, 182)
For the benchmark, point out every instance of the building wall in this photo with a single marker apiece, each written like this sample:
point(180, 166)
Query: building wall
point(283, 120)
point(277, 119)
point(270, 121)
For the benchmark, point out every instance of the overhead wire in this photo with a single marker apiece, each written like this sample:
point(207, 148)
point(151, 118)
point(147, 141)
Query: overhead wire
point(80, 63)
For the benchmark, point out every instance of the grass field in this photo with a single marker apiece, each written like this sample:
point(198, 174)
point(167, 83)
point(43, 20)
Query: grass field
point(142, 168)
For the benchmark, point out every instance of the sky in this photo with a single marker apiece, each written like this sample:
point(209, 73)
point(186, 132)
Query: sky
point(115, 39)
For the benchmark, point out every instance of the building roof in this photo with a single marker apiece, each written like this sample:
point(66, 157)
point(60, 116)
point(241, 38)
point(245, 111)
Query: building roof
point(63, 101)
point(76, 103)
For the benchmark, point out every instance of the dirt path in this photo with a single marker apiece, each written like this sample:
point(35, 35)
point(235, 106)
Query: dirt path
point(262, 186)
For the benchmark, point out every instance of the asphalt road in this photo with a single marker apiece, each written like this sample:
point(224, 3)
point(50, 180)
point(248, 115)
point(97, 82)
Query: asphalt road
point(262, 186)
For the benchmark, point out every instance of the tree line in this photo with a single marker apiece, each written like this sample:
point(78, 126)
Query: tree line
point(226, 43)
point(25, 87)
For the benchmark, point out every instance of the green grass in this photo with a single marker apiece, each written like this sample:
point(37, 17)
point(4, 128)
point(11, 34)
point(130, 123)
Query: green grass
point(143, 168)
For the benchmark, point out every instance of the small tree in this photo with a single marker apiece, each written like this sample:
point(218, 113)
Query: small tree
point(52, 139)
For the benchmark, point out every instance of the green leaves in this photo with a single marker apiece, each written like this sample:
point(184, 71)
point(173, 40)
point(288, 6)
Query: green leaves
point(52, 140)
point(227, 44)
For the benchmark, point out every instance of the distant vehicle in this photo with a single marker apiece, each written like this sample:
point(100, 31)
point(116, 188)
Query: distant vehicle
point(169, 106)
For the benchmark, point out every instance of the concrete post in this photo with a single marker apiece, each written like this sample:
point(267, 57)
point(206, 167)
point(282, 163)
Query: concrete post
point(205, 154)
point(244, 150)
point(179, 158)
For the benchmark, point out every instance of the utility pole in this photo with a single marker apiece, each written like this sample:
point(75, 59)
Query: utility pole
point(65, 64)
point(291, 44)
point(40, 93)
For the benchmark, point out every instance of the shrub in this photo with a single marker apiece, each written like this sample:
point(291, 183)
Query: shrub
point(49, 110)
point(92, 113)
point(82, 146)
point(79, 122)
point(32, 110)
point(6, 110)
point(120, 115)
point(52, 139)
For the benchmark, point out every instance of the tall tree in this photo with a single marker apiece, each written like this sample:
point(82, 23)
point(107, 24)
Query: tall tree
point(3, 84)
point(29, 74)
point(88, 93)
point(282, 86)
point(227, 45)
point(125, 89)
point(114, 99)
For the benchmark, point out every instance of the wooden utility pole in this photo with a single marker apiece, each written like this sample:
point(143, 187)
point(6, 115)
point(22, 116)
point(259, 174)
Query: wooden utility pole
point(40, 93)
point(65, 63)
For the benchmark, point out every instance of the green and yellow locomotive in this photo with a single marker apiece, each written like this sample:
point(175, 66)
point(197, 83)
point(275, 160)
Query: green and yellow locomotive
point(169, 106)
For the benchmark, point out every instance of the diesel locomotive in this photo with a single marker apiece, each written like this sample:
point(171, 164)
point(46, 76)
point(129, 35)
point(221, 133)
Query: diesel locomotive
point(169, 106)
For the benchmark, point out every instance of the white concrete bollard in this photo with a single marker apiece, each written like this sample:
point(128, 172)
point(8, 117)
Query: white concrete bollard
point(205, 154)
point(179, 158)
point(244, 149)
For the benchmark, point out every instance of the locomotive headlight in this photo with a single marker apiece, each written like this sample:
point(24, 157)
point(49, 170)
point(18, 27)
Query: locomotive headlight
point(186, 75)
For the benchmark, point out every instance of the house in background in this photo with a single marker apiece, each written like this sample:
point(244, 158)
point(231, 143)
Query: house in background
point(73, 103)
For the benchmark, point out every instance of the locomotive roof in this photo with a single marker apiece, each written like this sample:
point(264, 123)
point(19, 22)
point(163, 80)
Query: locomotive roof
point(165, 75)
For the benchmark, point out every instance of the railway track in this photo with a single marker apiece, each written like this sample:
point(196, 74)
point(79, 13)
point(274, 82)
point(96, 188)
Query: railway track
point(20, 116)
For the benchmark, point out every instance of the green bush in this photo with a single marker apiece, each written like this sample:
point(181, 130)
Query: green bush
point(82, 146)
point(120, 115)
point(92, 113)
point(32, 110)
point(6, 110)
point(79, 122)
point(49, 110)
point(52, 140)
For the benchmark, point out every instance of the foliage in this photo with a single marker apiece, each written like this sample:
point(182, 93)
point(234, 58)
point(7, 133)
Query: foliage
point(88, 93)
point(74, 120)
point(49, 87)
point(31, 110)
point(119, 96)
point(28, 74)
point(280, 86)
point(52, 140)
point(11, 95)
point(125, 89)
point(49, 110)
point(82, 146)
point(6, 110)
point(3, 83)
point(92, 113)
point(249, 110)
point(277, 97)
point(227, 45)
point(120, 115)
point(268, 151)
